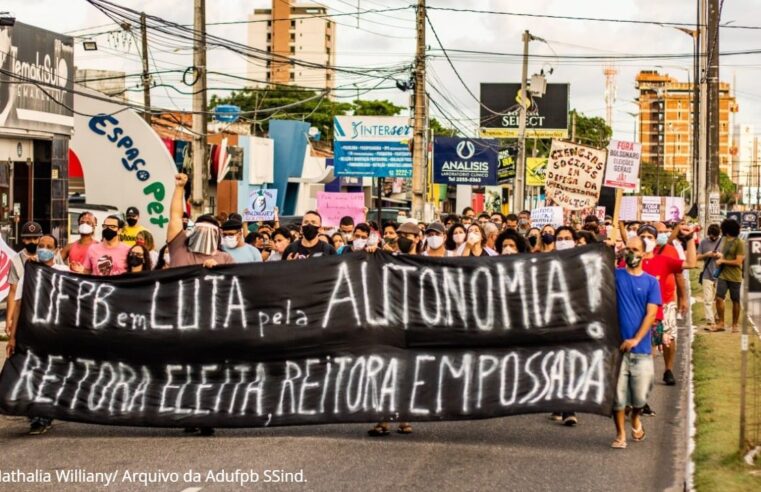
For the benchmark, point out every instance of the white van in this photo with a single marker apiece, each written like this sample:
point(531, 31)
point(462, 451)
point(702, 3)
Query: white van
point(99, 211)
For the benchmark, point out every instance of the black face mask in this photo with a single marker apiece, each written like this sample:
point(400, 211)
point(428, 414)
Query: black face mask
point(309, 231)
point(109, 234)
point(134, 261)
point(132, 222)
point(30, 248)
point(405, 244)
point(532, 241)
point(548, 238)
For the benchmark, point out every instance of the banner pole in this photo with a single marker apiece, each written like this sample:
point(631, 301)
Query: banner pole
point(616, 214)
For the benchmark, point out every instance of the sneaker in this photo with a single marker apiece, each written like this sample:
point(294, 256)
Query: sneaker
point(570, 420)
point(646, 410)
point(668, 378)
point(556, 417)
point(39, 426)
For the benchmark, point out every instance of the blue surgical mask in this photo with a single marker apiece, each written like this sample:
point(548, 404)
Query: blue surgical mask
point(662, 239)
point(45, 255)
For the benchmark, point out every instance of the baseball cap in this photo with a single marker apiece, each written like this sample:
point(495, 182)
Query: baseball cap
point(31, 229)
point(408, 228)
point(232, 225)
point(436, 227)
point(132, 211)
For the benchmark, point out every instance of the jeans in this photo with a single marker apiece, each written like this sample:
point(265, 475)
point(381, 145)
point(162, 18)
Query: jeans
point(634, 381)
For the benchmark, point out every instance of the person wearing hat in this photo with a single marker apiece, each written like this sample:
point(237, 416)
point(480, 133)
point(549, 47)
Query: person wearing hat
point(31, 232)
point(408, 238)
point(129, 233)
point(233, 243)
point(435, 234)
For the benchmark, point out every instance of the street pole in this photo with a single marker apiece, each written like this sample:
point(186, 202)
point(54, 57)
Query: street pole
point(713, 97)
point(419, 160)
point(520, 166)
point(146, 76)
point(702, 176)
point(199, 108)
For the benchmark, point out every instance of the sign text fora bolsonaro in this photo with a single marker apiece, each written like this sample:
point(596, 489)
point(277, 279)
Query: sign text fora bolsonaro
point(372, 146)
point(465, 161)
point(546, 117)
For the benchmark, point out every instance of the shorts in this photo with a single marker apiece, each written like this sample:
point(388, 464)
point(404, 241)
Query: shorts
point(669, 319)
point(634, 381)
point(733, 287)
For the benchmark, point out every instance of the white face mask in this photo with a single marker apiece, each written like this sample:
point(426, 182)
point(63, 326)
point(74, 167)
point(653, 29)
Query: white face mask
point(85, 229)
point(458, 238)
point(435, 242)
point(230, 241)
point(564, 244)
point(649, 245)
point(631, 234)
point(359, 244)
point(474, 236)
point(509, 250)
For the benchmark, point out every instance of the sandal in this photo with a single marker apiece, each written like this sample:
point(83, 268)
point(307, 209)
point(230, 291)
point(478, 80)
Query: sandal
point(735, 329)
point(618, 444)
point(378, 431)
point(404, 428)
point(717, 329)
point(638, 435)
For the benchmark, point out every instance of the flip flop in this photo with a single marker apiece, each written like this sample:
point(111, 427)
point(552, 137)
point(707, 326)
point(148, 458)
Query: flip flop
point(638, 435)
point(378, 431)
point(618, 444)
point(404, 429)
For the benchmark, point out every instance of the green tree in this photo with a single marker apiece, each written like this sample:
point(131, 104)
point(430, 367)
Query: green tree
point(440, 130)
point(590, 130)
point(728, 189)
point(658, 182)
point(295, 103)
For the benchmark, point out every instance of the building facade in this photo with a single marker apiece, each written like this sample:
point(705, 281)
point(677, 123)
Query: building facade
point(290, 32)
point(665, 122)
point(109, 82)
point(745, 165)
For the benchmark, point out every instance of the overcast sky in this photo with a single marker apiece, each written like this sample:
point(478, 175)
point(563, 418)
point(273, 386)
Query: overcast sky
point(388, 40)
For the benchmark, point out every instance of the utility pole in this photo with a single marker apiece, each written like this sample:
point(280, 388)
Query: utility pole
point(420, 145)
point(199, 108)
point(702, 174)
point(146, 76)
point(520, 166)
point(712, 48)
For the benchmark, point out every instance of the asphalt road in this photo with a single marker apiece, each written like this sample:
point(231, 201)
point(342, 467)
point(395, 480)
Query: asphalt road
point(514, 453)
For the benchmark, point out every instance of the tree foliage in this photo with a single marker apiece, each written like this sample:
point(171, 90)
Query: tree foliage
point(440, 130)
point(590, 130)
point(294, 103)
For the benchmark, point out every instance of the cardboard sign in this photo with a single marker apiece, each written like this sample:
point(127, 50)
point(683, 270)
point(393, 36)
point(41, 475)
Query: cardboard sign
point(334, 206)
point(553, 216)
point(261, 205)
point(574, 175)
point(652, 208)
point(622, 168)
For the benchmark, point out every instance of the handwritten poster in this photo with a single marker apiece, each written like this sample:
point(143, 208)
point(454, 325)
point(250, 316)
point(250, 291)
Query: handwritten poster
point(574, 175)
point(332, 206)
point(542, 216)
point(622, 168)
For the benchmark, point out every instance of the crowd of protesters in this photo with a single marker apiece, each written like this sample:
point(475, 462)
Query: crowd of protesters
point(652, 289)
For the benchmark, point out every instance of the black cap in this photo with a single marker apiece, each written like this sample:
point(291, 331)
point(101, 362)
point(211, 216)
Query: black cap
point(436, 227)
point(31, 229)
point(132, 211)
point(232, 225)
point(235, 216)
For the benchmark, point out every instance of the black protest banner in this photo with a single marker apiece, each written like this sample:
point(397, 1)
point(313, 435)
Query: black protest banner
point(336, 339)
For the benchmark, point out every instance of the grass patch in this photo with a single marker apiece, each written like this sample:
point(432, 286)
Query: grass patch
point(716, 358)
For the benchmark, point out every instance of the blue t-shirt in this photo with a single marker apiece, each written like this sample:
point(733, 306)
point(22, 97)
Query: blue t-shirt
point(244, 254)
point(633, 294)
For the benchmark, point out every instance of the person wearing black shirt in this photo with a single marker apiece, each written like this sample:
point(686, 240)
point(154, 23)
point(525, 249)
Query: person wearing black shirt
point(309, 245)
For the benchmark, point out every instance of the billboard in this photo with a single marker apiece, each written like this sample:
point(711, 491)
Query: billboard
point(547, 117)
point(465, 161)
point(506, 168)
point(372, 146)
point(36, 79)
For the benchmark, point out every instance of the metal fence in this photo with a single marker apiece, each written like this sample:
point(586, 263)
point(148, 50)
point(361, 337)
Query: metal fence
point(750, 349)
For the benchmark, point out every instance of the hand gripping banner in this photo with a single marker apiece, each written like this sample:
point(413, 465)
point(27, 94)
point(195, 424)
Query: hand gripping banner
point(356, 338)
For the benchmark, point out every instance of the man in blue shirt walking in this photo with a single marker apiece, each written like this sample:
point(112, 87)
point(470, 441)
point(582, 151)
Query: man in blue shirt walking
point(638, 297)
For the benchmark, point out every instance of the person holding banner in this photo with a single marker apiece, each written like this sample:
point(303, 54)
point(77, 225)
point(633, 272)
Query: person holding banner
point(455, 241)
point(281, 238)
point(638, 299)
point(435, 235)
point(234, 245)
point(546, 242)
point(75, 253)
point(476, 242)
point(511, 242)
point(309, 245)
point(31, 232)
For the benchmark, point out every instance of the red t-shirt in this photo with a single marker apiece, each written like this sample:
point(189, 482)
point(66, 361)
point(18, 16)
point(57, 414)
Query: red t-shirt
point(663, 267)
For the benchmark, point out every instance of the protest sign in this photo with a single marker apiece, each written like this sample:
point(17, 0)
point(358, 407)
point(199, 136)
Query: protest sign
point(622, 168)
point(629, 208)
point(334, 205)
point(574, 175)
point(673, 209)
point(351, 338)
point(542, 216)
point(261, 205)
point(650, 208)
point(749, 220)
point(536, 171)
point(468, 161)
